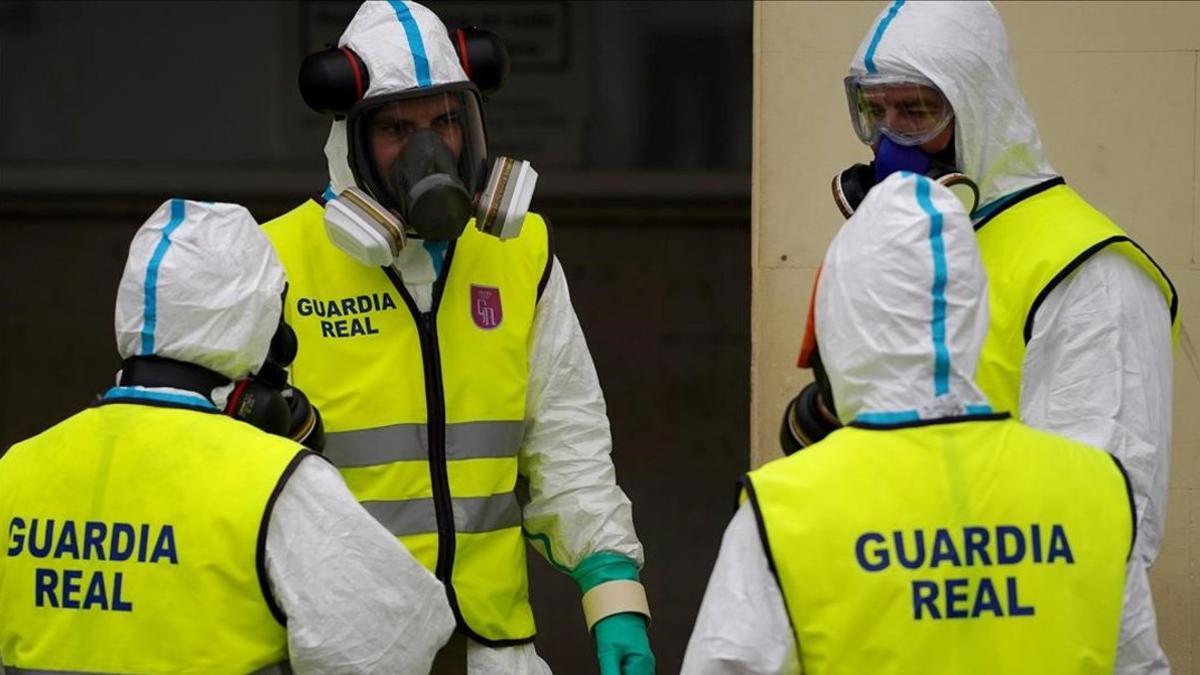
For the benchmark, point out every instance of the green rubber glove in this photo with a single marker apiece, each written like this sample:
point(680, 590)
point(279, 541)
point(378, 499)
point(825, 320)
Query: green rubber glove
point(622, 646)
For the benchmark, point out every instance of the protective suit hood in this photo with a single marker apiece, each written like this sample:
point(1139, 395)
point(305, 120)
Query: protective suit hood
point(202, 285)
point(404, 46)
point(901, 306)
point(962, 48)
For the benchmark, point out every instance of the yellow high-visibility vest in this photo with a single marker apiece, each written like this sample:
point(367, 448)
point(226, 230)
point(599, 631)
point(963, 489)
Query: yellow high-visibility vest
point(425, 412)
point(1027, 249)
point(133, 542)
point(948, 547)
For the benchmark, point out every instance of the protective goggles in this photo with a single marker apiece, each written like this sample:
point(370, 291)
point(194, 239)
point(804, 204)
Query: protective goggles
point(908, 110)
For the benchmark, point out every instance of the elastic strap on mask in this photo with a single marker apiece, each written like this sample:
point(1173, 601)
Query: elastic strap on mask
point(159, 371)
point(963, 187)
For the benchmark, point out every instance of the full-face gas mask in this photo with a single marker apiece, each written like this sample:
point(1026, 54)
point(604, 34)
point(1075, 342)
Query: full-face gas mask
point(894, 115)
point(419, 157)
point(421, 154)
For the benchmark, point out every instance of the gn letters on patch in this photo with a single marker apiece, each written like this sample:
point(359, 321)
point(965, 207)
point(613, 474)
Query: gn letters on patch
point(100, 589)
point(486, 310)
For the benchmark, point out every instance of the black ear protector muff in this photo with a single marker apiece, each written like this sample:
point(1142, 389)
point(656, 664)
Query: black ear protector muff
point(334, 79)
point(258, 399)
point(266, 401)
point(263, 400)
point(483, 56)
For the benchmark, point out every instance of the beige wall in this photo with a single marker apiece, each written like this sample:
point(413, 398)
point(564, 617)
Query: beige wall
point(1113, 87)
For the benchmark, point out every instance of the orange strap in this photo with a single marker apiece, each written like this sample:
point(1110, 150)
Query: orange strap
point(809, 344)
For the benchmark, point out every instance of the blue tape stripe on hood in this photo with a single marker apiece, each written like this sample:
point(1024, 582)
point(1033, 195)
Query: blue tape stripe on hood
point(150, 286)
point(869, 57)
point(415, 44)
point(941, 354)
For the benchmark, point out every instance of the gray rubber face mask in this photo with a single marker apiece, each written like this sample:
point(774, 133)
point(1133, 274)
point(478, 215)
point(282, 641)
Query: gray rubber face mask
point(423, 182)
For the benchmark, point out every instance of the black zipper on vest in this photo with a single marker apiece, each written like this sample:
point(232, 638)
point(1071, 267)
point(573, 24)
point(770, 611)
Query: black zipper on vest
point(435, 404)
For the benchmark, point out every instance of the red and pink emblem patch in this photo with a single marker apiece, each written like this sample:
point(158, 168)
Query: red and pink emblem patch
point(485, 306)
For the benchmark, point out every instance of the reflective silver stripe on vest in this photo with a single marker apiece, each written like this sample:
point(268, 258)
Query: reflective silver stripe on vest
point(381, 445)
point(471, 514)
point(409, 442)
point(274, 669)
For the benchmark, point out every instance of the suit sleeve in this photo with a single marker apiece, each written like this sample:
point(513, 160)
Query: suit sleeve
point(743, 626)
point(1098, 369)
point(356, 600)
point(575, 507)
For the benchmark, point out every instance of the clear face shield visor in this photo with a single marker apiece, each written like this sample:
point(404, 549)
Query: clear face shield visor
point(908, 110)
point(423, 131)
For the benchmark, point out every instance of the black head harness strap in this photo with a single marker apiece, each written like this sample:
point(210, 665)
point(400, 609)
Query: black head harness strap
point(157, 371)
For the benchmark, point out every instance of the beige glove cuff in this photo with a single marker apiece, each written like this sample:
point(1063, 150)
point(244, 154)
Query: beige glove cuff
point(614, 597)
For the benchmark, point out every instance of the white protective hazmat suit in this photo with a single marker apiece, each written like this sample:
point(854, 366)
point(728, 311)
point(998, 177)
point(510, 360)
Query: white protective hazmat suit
point(575, 507)
point(355, 599)
point(874, 318)
point(1098, 367)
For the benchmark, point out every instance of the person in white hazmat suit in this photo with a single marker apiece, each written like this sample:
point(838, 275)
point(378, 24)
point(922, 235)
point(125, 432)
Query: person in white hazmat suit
point(459, 397)
point(152, 533)
point(1082, 319)
point(932, 533)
